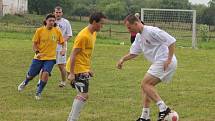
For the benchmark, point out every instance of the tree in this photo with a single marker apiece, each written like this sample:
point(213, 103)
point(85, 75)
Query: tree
point(175, 4)
point(116, 11)
point(209, 14)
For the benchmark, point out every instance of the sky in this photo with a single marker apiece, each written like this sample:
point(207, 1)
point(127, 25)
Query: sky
point(199, 1)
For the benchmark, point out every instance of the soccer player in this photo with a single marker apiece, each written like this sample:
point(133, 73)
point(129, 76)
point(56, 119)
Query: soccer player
point(45, 41)
point(78, 65)
point(66, 30)
point(158, 48)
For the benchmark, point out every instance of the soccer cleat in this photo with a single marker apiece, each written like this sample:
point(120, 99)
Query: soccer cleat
point(62, 84)
point(141, 119)
point(38, 96)
point(21, 86)
point(162, 115)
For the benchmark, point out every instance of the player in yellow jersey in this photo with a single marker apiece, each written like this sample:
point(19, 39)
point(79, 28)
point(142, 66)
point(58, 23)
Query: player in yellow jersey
point(45, 41)
point(78, 65)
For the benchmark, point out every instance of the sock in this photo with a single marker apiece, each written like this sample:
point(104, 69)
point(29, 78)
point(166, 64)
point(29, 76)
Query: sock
point(162, 106)
point(145, 113)
point(42, 84)
point(77, 105)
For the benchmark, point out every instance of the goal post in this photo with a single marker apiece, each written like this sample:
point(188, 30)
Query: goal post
point(179, 23)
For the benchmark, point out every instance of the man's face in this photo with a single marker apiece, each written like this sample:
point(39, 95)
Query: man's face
point(132, 27)
point(99, 25)
point(58, 13)
point(50, 22)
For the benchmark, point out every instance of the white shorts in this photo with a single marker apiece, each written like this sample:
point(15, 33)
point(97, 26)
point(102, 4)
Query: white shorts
point(157, 70)
point(60, 59)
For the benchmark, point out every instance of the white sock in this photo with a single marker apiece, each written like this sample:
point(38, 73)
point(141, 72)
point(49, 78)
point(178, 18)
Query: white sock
point(77, 105)
point(145, 113)
point(162, 106)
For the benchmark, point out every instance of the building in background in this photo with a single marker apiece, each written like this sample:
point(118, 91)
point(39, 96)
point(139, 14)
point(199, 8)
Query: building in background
point(13, 7)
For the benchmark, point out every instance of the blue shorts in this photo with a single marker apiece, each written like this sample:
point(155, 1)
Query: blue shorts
point(44, 65)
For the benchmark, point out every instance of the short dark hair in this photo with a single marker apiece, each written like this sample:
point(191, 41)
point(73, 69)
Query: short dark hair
point(49, 16)
point(58, 8)
point(96, 16)
point(131, 19)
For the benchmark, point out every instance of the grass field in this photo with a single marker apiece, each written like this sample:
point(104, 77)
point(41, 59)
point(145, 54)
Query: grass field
point(114, 94)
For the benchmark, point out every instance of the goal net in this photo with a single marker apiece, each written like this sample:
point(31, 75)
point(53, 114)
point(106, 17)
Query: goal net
point(179, 23)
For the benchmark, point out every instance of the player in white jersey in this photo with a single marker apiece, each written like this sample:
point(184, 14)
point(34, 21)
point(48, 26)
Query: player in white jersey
point(158, 48)
point(66, 30)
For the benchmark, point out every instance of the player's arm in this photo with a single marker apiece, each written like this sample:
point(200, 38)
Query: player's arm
point(62, 42)
point(35, 47)
point(68, 32)
point(66, 38)
point(171, 48)
point(125, 58)
point(73, 55)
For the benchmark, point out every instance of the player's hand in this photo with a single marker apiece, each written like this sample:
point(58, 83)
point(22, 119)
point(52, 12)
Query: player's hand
point(63, 52)
point(71, 77)
point(120, 64)
point(91, 73)
point(39, 55)
point(166, 64)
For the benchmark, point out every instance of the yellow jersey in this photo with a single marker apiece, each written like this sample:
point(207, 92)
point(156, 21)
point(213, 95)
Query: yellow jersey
point(86, 41)
point(47, 42)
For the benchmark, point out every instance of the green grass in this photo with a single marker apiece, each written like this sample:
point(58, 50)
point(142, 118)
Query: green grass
point(114, 94)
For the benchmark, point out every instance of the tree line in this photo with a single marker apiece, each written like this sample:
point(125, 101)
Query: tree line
point(118, 9)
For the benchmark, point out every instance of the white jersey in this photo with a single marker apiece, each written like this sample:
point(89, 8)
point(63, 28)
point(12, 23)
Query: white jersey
point(65, 28)
point(153, 43)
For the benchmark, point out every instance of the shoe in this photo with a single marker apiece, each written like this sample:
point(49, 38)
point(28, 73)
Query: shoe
point(38, 96)
point(141, 119)
point(21, 86)
point(162, 115)
point(62, 84)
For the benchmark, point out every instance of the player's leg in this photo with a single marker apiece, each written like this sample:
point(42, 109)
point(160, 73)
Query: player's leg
point(61, 62)
point(40, 76)
point(34, 70)
point(63, 75)
point(154, 76)
point(81, 84)
point(145, 116)
point(46, 72)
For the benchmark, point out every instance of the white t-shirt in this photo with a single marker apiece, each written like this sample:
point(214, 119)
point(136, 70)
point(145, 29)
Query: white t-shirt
point(65, 28)
point(153, 43)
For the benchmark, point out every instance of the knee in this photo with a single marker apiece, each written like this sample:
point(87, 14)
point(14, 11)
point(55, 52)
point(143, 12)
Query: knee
point(144, 85)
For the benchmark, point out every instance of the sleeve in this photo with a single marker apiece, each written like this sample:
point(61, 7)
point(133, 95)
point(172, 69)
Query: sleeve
point(135, 47)
point(36, 36)
point(163, 37)
point(79, 42)
point(68, 29)
point(60, 40)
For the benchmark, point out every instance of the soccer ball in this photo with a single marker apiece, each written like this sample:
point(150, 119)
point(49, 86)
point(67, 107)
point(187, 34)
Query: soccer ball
point(172, 116)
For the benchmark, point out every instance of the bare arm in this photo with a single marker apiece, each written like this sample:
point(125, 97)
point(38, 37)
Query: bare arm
point(66, 38)
point(73, 55)
point(125, 58)
point(72, 59)
point(35, 48)
point(170, 55)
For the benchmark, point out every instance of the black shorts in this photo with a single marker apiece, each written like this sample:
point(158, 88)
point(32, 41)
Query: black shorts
point(81, 82)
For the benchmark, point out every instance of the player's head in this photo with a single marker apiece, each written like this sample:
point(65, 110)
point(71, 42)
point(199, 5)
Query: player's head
point(133, 23)
point(49, 21)
point(58, 12)
point(97, 20)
